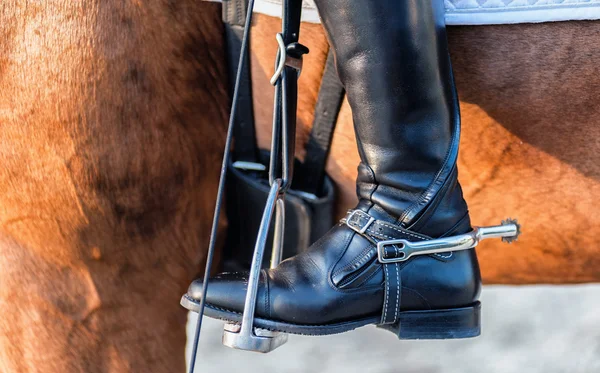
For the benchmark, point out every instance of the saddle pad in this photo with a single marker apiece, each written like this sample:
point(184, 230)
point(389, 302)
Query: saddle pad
point(481, 12)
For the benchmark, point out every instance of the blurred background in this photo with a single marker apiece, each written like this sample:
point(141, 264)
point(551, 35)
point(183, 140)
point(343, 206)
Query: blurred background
point(545, 329)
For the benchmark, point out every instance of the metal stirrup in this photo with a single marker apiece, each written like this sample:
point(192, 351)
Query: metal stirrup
point(245, 336)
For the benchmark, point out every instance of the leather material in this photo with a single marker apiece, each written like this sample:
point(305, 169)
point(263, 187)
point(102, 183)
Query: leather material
point(287, 86)
point(402, 95)
point(234, 16)
point(327, 109)
point(377, 230)
point(301, 290)
point(393, 60)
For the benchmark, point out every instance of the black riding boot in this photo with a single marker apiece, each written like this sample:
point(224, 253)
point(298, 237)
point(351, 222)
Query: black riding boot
point(392, 57)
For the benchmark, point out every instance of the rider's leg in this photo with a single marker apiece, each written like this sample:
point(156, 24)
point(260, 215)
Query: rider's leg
point(393, 59)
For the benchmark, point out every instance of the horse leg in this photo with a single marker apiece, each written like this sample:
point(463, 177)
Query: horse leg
point(109, 143)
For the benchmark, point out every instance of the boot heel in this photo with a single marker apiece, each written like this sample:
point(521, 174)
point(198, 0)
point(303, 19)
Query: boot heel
point(451, 323)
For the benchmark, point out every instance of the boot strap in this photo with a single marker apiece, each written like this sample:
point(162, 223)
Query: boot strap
point(396, 245)
point(389, 239)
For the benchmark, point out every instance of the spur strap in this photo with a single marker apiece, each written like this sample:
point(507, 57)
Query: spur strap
point(396, 245)
point(390, 255)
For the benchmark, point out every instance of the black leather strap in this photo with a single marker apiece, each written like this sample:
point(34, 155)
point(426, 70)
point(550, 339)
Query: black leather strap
point(393, 294)
point(375, 231)
point(378, 230)
point(329, 102)
point(234, 16)
point(381, 230)
point(292, 11)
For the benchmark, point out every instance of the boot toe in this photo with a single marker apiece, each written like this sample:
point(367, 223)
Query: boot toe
point(226, 291)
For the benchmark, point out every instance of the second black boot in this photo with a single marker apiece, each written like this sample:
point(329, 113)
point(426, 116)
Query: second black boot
point(392, 57)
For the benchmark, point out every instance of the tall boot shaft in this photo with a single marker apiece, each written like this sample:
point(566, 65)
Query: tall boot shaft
point(392, 57)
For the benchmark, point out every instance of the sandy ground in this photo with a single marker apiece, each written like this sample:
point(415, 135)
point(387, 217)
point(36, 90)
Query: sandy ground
point(545, 329)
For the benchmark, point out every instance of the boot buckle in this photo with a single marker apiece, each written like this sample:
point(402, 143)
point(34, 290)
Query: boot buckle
point(358, 229)
point(288, 55)
point(403, 250)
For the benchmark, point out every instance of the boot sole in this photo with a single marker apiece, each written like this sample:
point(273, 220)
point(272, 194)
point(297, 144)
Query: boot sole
point(452, 323)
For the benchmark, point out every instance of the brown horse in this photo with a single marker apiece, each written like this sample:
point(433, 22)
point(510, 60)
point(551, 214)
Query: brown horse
point(112, 119)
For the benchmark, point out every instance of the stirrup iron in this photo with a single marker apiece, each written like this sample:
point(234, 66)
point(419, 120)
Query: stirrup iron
point(289, 59)
point(245, 336)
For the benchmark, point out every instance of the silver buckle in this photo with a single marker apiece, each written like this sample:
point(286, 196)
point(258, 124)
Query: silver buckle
point(509, 230)
point(363, 229)
point(284, 60)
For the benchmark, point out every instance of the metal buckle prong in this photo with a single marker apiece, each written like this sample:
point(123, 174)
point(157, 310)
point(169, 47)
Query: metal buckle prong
point(285, 59)
point(362, 229)
point(281, 59)
point(508, 231)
